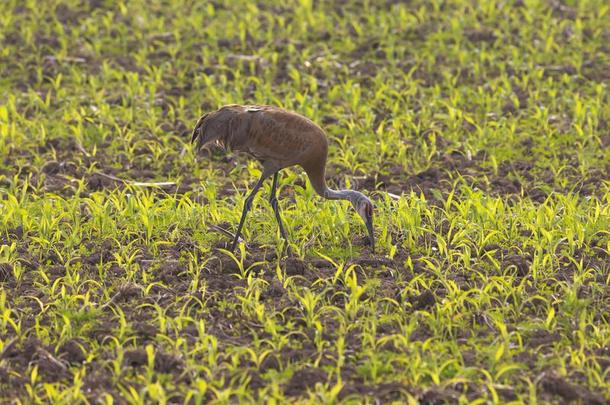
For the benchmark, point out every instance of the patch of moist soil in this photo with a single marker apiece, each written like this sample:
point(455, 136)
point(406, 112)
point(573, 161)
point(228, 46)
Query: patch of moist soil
point(382, 392)
point(254, 261)
point(362, 240)
point(229, 327)
point(367, 260)
point(127, 292)
point(305, 350)
point(520, 263)
point(602, 356)
point(221, 283)
point(168, 363)
point(304, 380)
point(171, 272)
point(423, 301)
point(515, 178)
point(146, 331)
point(434, 396)
point(99, 181)
point(507, 393)
point(97, 381)
point(69, 162)
point(295, 266)
point(22, 355)
point(5, 376)
point(273, 291)
point(270, 362)
point(52, 368)
point(6, 272)
point(73, 351)
point(560, 387)
point(102, 330)
point(596, 70)
point(541, 337)
point(480, 35)
point(135, 358)
point(398, 182)
point(421, 334)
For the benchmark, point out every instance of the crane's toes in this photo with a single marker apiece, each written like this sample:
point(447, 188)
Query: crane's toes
point(223, 231)
point(222, 244)
point(227, 244)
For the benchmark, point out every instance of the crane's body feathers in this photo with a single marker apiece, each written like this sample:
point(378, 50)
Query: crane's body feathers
point(278, 139)
point(267, 133)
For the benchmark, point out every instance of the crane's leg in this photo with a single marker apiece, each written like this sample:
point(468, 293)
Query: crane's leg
point(276, 208)
point(247, 206)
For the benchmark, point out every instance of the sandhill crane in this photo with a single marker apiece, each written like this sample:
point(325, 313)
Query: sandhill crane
point(278, 139)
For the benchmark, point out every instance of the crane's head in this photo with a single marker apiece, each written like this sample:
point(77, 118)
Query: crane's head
point(364, 207)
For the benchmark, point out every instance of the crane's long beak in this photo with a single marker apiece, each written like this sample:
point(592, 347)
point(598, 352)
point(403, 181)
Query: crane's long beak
point(369, 226)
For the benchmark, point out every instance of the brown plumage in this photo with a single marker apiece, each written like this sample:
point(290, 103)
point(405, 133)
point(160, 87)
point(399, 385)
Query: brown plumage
point(278, 139)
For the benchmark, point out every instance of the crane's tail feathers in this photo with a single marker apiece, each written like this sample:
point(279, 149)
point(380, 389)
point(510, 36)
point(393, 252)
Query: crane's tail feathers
point(198, 130)
point(216, 126)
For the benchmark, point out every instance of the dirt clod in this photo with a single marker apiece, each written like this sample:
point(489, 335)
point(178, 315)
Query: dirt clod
point(425, 300)
point(145, 329)
point(72, 351)
point(96, 182)
point(168, 363)
point(127, 291)
point(135, 358)
point(559, 386)
point(294, 266)
point(51, 167)
point(269, 363)
point(520, 263)
point(303, 380)
point(6, 272)
point(480, 35)
point(274, 290)
point(436, 395)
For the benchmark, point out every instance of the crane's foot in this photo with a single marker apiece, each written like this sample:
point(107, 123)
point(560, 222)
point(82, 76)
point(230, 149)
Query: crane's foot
point(370, 243)
point(233, 246)
point(225, 232)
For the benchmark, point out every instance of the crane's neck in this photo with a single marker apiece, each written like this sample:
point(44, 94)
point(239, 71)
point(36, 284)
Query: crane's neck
point(359, 201)
point(316, 177)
